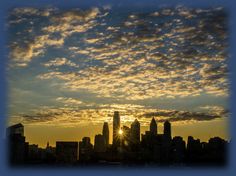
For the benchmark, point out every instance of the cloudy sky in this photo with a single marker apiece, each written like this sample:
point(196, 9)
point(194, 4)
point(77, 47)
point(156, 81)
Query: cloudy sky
point(70, 69)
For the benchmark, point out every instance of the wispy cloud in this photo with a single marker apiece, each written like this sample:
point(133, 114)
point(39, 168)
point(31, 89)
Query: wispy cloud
point(60, 62)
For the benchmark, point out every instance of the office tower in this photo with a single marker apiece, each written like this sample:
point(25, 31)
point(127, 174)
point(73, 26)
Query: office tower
point(116, 128)
point(167, 130)
point(153, 127)
point(16, 129)
point(99, 143)
point(105, 133)
point(18, 148)
point(178, 149)
point(66, 152)
point(135, 132)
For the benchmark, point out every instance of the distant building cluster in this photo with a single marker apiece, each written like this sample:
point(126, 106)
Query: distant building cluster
point(127, 148)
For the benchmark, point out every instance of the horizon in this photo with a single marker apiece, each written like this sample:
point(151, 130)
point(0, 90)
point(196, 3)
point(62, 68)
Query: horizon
point(110, 136)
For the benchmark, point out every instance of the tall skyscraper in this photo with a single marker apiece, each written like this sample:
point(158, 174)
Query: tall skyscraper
point(167, 129)
point(135, 132)
point(116, 128)
point(153, 127)
point(105, 133)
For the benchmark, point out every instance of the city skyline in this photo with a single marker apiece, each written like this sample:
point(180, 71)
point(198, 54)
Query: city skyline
point(129, 147)
point(70, 69)
point(119, 131)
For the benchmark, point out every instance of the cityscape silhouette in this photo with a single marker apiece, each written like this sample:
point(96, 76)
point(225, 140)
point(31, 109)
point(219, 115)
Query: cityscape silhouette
point(128, 148)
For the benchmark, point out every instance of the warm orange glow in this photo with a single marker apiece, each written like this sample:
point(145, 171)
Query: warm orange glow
point(120, 132)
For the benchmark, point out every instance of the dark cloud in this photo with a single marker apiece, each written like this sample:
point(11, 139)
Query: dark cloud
point(175, 116)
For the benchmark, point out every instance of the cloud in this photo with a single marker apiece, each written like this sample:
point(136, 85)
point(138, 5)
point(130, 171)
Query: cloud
point(25, 11)
point(72, 21)
point(36, 42)
point(176, 116)
point(69, 101)
point(22, 54)
point(214, 109)
point(135, 57)
point(60, 62)
point(81, 114)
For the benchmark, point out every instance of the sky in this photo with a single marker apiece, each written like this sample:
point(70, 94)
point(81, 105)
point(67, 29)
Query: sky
point(70, 69)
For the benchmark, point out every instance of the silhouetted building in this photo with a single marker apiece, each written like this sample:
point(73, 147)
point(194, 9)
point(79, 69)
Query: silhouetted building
point(178, 150)
point(167, 130)
point(148, 140)
point(116, 128)
point(135, 132)
point(50, 154)
point(18, 148)
point(194, 149)
point(17, 129)
point(99, 144)
point(216, 151)
point(153, 127)
point(125, 137)
point(85, 150)
point(105, 133)
point(66, 152)
point(33, 153)
point(166, 146)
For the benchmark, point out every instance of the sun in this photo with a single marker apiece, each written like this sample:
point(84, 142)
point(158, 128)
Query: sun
point(120, 132)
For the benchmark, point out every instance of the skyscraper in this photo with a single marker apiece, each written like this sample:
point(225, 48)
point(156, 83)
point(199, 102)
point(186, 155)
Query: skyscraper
point(153, 127)
point(105, 133)
point(116, 128)
point(167, 129)
point(135, 132)
point(17, 145)
point(17, 129)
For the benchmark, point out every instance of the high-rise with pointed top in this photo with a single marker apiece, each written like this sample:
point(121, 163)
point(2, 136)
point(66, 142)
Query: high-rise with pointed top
point(105, 133)
point(153, 126)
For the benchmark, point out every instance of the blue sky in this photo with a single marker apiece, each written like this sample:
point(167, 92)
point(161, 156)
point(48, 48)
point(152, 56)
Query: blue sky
point(75, 66)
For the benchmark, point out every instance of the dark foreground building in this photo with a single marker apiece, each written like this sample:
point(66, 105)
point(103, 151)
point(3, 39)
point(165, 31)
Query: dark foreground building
point(18, 148)
point(66, 152)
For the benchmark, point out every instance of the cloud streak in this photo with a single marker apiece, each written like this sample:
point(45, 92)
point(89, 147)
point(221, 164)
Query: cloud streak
point(74, 116)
